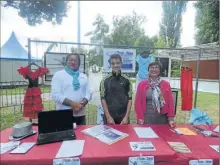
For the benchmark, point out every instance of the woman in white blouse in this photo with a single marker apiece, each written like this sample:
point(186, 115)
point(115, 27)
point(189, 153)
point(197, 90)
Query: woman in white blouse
point(70, 89)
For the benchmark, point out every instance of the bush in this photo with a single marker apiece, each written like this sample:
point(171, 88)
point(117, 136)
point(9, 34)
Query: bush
point(175, 73)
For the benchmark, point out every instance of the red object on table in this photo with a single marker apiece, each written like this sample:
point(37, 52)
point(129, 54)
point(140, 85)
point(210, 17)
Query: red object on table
point(97, 152)
point(186, 87)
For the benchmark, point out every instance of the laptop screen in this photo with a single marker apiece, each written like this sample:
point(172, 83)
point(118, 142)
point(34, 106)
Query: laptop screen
point(53, 121)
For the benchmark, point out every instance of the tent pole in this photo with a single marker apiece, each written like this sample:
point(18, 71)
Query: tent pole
point(197, 77)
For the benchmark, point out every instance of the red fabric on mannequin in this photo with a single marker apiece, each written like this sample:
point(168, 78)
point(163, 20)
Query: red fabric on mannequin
point(32, 99)
point(186, 82)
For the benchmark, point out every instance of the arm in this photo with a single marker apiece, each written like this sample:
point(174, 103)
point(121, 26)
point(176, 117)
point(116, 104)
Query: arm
point(171, 112)
point(138, 103)
point(103, 93)
point(88, 95)
point(129, 90)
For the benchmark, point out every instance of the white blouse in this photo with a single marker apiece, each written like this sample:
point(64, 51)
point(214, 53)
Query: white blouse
point(61, 88)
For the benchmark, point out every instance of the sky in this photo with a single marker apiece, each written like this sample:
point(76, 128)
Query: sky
point(67, 31)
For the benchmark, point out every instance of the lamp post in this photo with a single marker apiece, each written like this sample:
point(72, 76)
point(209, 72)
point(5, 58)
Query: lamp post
point(78, 33)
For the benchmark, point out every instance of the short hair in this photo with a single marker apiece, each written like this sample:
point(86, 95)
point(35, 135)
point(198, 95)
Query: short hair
point(73, 54)
point(155, 63)
point(115, 56)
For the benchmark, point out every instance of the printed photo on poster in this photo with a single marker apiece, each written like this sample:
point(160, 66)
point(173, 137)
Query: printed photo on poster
point(128, 59)
point(56, 61)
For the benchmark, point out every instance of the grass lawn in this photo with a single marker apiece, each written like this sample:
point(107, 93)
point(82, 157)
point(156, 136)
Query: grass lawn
point(206, 102)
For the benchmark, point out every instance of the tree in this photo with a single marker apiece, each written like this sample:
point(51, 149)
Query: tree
point(128, 30)
point(35, 12)
point(170, 28)
point(207, 21)
point(98, 36)
point(160, 43)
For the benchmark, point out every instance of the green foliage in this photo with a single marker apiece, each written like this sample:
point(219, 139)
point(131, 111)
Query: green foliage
point(175, 68)
point(98, 36)
point(127, 30)
point(175, 73)
point(35, 12)
point(170, 28)
point(207, 21)
point(160, 43)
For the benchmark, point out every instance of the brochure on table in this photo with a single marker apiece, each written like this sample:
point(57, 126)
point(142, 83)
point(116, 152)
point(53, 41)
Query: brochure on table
point(145, 132)
point(105, 134)
point(184, 131)
point(5, 147)
point(179, 147)
point(142, 146)
point(216, 129)
point(201, 162)
point(70, 148)
point(215, 147)
point(66, 161)
point(141, 160)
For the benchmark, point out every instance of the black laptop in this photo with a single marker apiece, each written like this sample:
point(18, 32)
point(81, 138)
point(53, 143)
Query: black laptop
point(54, 126)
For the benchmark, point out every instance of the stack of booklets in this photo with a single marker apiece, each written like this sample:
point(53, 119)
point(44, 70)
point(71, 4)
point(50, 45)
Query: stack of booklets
point(179, 147)
point(105, 134)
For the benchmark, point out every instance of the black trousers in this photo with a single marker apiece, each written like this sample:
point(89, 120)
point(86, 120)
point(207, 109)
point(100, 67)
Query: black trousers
point(79, 120)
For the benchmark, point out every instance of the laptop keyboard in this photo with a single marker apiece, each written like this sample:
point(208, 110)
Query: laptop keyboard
point(56, 136)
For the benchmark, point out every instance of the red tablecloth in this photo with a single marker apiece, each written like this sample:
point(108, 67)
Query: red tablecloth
point(96, 152)
point(198, 144)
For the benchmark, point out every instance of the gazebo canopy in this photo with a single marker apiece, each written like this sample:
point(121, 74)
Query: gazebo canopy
point(208, 51)
point(12, 49)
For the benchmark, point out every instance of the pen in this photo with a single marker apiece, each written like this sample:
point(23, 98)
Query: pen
point(172, 130)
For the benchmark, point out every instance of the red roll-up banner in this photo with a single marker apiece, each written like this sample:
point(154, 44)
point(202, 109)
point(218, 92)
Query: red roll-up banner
point(186, 87)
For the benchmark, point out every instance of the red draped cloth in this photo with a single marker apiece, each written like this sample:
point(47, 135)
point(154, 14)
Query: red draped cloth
point(186, 87)
point(96, 152)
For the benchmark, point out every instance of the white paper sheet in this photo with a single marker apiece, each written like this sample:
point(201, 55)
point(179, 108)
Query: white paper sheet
point(5, 147)
point(201, 162)
point(142, 146)
point(145, 132)
point(216, 129)
point(66, 161)
point(143, 160)
point(215, 147)
point(71, 148)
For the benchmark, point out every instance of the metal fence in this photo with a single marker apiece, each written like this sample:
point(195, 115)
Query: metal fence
point(12, 93)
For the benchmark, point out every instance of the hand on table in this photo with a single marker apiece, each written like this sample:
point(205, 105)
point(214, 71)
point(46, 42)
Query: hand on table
point(140, 121)
point(124, 121)
point(110, 120)
point(172, 123)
